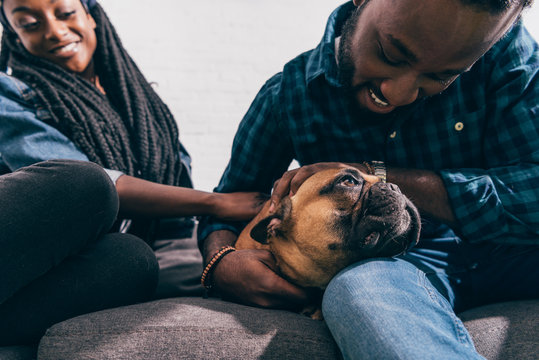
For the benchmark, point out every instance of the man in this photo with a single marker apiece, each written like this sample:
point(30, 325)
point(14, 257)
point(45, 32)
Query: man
point(440, 96)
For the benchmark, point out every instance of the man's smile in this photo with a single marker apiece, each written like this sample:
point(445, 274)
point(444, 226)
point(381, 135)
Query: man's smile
point(377, 99)
point(369, 98)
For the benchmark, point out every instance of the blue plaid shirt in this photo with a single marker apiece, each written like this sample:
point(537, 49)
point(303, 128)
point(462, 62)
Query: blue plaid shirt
point(481, 135)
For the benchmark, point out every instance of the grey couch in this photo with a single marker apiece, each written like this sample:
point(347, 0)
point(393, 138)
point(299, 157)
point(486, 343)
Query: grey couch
point(196, 328)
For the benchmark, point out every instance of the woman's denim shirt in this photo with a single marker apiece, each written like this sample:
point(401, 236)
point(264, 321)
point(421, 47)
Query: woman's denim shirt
point(26, 139)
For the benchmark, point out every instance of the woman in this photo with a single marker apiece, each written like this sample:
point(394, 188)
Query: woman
point(74, 93)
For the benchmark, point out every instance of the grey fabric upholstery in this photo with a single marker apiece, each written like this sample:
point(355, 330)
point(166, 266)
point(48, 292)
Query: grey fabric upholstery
point(188, 328)
point(505, 331)
point(196, 328)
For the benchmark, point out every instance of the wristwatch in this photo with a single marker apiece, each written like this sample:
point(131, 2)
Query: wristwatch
point(379, 170)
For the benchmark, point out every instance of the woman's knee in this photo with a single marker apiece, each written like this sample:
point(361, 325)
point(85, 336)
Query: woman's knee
point(81, 189)
point(84, 179)
point(131, 264)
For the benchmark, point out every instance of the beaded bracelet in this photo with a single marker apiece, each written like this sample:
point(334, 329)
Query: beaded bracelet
point(214, 260)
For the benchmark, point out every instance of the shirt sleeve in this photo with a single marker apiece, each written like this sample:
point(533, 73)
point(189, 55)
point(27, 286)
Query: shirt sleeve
point(500, 202)
point(24, 138)
point(261, 153)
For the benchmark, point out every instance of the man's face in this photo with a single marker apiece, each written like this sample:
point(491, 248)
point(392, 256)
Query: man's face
point(58, 30)
point(393, 52)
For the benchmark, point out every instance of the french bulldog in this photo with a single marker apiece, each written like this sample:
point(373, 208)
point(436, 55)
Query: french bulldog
point(336, 217)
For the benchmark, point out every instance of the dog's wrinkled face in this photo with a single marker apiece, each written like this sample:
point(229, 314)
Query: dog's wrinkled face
point(337, 217)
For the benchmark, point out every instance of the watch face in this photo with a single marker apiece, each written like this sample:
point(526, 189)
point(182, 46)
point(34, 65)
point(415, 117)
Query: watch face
point(380, 170)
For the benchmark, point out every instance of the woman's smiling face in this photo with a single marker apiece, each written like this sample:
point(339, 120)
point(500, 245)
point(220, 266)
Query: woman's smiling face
point(393, 52)
point(60, 31)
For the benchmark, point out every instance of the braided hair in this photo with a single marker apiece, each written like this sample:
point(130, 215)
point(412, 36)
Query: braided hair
point(129, 129)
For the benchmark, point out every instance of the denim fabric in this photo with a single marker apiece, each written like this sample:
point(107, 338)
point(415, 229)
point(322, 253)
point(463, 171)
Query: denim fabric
point(404, 308)
point(481, 134)
point(24, 138)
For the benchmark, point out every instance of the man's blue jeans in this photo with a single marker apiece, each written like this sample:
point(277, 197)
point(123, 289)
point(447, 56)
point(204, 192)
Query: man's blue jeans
point(405, 308)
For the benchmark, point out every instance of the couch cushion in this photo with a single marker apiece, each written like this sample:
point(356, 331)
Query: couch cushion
point(188, 328)
point(507, 330)
point(196, 328)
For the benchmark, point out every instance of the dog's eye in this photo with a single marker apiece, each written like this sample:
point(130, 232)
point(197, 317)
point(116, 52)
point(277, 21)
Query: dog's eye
point(349, 180)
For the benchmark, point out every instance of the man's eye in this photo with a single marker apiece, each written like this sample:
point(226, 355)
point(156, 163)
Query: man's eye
point(384, 57)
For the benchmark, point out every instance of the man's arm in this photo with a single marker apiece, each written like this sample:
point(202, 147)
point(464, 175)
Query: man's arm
point(427, 191)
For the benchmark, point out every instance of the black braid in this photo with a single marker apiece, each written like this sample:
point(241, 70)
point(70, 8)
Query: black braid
point(128, 129)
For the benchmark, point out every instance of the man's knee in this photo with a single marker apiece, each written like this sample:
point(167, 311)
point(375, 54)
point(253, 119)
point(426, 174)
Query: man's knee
point(364, 283)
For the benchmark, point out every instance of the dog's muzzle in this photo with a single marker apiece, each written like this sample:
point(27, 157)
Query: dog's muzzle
point(388, 223)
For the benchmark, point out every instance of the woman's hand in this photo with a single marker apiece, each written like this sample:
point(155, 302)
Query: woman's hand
point(238, 206)
point(250, 277)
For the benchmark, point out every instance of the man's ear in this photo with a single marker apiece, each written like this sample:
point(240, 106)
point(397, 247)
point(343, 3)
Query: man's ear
point(358, 3)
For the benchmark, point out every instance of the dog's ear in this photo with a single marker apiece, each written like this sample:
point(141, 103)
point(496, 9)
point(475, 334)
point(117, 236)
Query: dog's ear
point(271, 226)
point(266, 227)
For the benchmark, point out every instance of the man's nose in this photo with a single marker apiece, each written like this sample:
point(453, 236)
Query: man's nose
point(400, 90)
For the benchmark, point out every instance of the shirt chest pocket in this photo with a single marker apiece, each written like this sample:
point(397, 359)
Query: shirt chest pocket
point(441, 143)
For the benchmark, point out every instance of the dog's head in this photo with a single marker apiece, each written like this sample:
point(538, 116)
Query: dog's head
point(337, 217)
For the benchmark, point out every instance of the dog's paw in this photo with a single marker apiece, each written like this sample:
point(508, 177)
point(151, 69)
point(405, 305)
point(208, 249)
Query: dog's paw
point(314, 312)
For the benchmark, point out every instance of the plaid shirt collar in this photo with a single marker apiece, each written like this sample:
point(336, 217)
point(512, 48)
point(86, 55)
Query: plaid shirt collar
point(322, 59)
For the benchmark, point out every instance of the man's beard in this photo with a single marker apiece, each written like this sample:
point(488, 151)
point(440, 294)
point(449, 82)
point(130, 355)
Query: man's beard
point(345, 62)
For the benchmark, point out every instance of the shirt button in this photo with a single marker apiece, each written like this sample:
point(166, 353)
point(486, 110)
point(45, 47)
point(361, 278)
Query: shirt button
point(459, 126)
point(393, 134)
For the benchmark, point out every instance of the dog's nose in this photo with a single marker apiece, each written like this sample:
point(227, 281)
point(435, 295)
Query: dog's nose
point(384, 199)
point(393, 187)
point(388, 223)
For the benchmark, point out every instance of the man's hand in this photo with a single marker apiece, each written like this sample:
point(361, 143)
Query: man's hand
point(291, 180)
point(250, 277)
